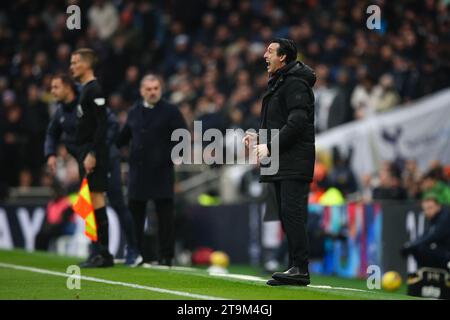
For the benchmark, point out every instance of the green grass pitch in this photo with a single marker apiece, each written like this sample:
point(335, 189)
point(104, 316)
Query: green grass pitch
point(25, 275)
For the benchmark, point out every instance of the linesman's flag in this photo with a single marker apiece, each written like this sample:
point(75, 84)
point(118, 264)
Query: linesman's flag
point(83, 207)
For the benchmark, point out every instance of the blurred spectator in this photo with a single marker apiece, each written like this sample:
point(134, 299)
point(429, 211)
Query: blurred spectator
point(15, 140)
point(324, 95)
point(129, 90)
point(37, 117)
point(411, 179)
point(389, 188)
point(116, 102)
point(25, 181)
point(433, 185)
point(386, 96)
point(179, 56)
point(340, 109)
point(341, 175)
point(363, 99)
point(103, 18)
point(253, 119)
point(62, 57)
point(405, 77)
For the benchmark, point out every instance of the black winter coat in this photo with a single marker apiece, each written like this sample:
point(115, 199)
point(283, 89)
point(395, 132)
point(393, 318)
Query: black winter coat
point(437, 231)
point(151, 173)
point(288, 105)
point(62, 129)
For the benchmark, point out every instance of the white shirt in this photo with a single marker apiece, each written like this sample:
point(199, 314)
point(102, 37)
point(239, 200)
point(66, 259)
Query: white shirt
point(148, 105)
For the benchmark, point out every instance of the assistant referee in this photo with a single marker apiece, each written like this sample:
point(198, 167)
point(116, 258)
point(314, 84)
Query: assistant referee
point(91, 140)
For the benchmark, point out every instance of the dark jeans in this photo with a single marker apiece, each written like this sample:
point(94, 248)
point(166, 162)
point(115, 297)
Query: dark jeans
point(292, 201)
point(166, 225)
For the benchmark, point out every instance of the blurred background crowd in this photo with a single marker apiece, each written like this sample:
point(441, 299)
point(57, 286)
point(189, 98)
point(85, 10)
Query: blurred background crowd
point(398, 180)
point(210, 56)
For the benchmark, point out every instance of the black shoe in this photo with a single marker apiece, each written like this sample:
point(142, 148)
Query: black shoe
point(165, 262)
point(98, 261)
point(275, 283)
point(293, 276)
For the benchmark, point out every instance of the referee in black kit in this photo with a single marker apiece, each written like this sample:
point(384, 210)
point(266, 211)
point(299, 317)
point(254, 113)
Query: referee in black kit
point(92, 147)
point(288, 105)
point(62, 129)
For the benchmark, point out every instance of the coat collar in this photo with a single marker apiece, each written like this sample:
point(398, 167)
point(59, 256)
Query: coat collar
point(69, 107)
point(278, 77)
point(146, 105)
point(274, 83)
point(281, 72)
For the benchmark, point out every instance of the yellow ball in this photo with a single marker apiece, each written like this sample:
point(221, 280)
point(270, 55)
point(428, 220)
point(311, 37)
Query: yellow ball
point(391, 281)
point(220, 259)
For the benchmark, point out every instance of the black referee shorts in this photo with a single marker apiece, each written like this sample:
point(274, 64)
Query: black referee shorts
point(98, 179)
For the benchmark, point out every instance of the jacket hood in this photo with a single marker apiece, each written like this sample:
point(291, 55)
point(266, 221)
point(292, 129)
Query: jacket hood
point(303, 71)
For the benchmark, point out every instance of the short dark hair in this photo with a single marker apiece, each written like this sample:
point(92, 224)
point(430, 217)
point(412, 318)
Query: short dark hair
point(67, 80)
point(88, 55)
point(287, 47)
point(434, 174)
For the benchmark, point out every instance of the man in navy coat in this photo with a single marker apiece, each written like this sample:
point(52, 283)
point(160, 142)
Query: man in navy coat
point(149, 127)
point(432, 248)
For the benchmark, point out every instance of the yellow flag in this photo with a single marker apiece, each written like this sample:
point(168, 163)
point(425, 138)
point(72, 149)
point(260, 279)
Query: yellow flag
point(83, 207)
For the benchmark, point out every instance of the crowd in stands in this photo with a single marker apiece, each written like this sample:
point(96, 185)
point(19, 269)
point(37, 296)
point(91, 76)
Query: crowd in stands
point(210, 56)
point(399, 180)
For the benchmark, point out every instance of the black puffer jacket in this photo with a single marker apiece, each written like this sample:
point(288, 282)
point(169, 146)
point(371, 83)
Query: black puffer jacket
point(288, 105)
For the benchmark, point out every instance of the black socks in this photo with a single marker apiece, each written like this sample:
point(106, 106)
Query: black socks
point(102, 231)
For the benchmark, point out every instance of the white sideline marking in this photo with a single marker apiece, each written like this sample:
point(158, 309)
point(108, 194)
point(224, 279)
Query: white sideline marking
point(340, 288)
point(237, 276)
point(254, 278)
point(117, 283)
point(245, 277)
point(176, 268)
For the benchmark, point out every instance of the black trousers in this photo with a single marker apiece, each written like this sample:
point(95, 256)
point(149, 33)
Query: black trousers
point(437, 257)
point(292, 201)
point(117, 201)
point(166, 225)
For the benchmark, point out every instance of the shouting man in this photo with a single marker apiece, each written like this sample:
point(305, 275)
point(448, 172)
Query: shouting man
point(288, 106)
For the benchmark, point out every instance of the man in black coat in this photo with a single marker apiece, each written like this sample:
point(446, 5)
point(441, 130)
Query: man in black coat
point(432, 249)
point(288, 106)
point(149, 126)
